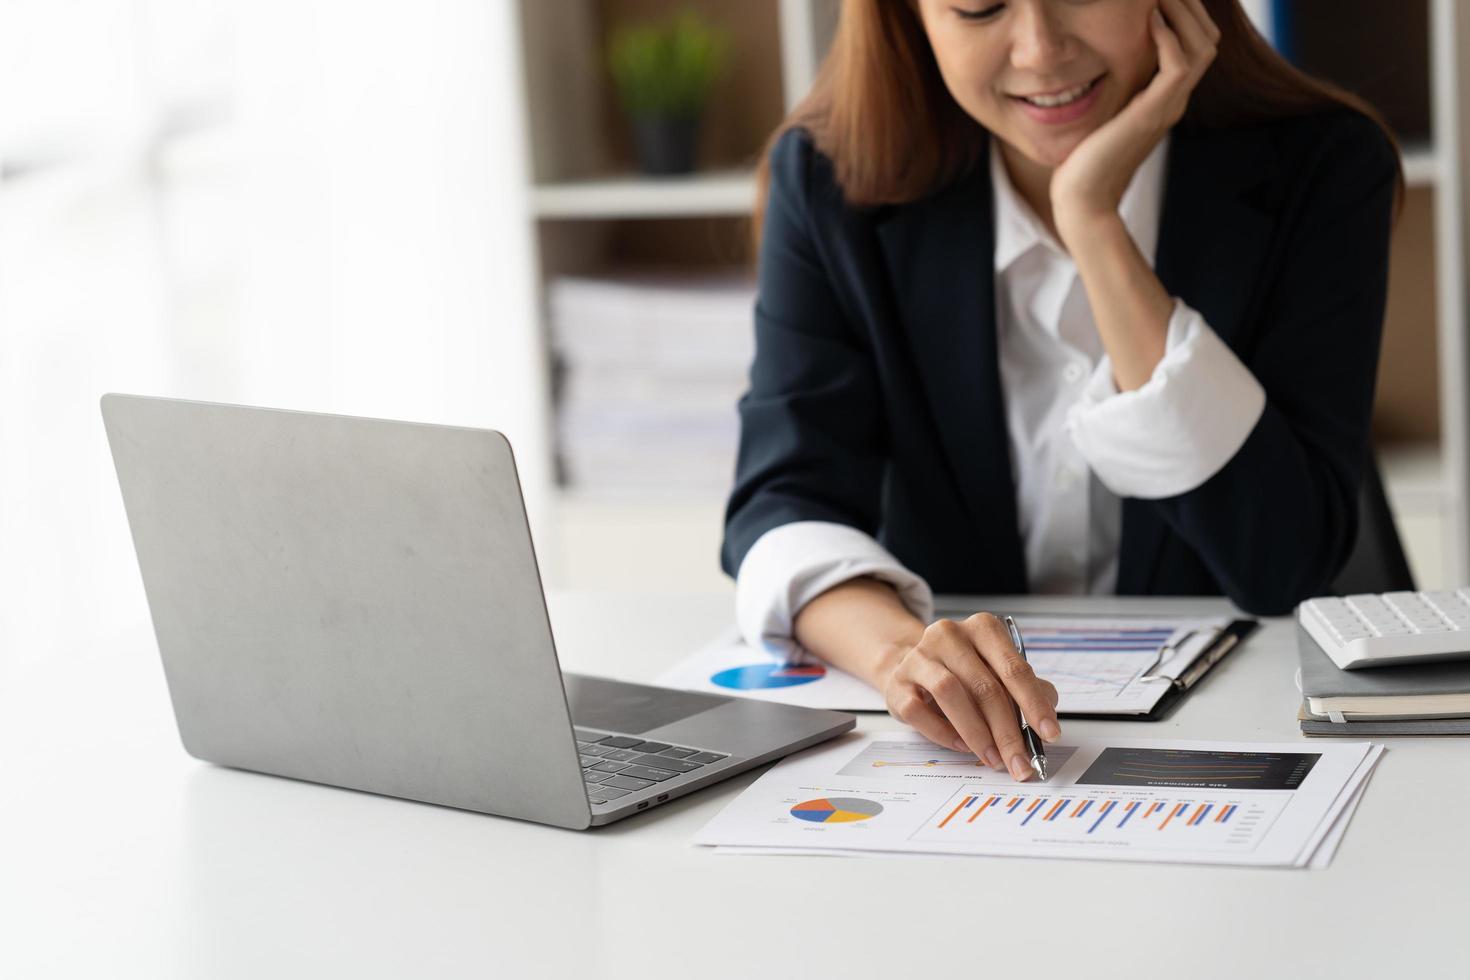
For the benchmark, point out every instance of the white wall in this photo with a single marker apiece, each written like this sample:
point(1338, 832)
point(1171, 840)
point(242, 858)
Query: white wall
point(338, 222)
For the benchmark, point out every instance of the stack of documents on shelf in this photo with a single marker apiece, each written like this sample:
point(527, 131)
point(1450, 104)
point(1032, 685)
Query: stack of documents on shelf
point(1114, 666)
point(651, 368)
point(1419, 699)
point(1109, 799)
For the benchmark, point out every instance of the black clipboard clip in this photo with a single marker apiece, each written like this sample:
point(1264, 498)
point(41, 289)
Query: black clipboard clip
point(1222, 645)
point(1227, 640)
point(1168, 652)
point(1222, 642)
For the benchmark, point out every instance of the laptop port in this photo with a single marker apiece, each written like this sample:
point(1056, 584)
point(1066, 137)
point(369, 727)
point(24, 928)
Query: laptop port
point(663, 797)
point(643, 805)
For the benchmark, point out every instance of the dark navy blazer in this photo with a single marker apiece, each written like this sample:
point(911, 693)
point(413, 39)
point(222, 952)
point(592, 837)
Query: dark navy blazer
point(875, 396)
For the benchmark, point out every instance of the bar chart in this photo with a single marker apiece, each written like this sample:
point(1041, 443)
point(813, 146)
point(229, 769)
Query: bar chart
point(1157, 821)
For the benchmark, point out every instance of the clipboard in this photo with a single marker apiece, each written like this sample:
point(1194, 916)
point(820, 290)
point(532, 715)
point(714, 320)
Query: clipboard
point(1228, 640)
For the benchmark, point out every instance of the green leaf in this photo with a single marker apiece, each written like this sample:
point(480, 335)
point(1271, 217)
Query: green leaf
point(668, 68)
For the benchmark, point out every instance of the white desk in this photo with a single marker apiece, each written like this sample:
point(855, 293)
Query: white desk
point(122, 857)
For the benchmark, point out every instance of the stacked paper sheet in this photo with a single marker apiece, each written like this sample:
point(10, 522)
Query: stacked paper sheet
point(1108, 799)
point(1100, 665)
point(651, 369)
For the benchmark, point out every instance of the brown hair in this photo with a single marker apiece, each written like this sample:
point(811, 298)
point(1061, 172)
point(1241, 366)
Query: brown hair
point(880, 111)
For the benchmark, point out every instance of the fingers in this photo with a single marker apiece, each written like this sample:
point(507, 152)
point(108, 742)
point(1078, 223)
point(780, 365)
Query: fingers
point(987, 691)
point(1000, 715)
point(908, 704)
point(942, 672)
point(1185, 36)
point(1014, 684)
point(960, 686)
point(1195, 31)
point(993, 641)
point(1172, 59)
point(1212, 30)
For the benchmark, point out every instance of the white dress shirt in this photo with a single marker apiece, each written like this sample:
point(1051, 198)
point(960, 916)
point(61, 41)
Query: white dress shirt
point(1077, 444)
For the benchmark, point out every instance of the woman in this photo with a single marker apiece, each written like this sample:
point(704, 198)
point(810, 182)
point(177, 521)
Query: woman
point(1057, 296)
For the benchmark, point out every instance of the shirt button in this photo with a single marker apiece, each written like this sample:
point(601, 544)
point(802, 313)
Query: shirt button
point(1073, 373)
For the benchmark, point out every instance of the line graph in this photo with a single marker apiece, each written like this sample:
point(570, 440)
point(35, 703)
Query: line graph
point(922, 760)
point(1093, 661)
point(1181, 767)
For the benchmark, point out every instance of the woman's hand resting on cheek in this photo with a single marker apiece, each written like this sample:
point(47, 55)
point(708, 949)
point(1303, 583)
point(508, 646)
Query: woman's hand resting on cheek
point(959, 686)
point(1090, 182)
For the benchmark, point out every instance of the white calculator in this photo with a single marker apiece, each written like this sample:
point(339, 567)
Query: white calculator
point(1391, 628)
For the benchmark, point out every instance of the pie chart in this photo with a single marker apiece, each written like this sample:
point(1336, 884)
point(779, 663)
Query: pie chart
point(755, 677)
point(836, 809)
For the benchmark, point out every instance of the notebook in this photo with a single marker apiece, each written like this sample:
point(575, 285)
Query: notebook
point(1423, 699)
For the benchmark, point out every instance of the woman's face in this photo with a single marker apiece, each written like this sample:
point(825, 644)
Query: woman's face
point(991, 53)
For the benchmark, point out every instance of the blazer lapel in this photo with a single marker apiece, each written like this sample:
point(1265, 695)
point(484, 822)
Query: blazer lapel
point(1216, 221)
point(939, 254)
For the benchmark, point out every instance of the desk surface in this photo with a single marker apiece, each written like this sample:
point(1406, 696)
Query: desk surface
point(121, 856)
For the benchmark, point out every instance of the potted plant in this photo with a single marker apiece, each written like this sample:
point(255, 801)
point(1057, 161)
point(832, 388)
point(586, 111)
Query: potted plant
point(664, 73)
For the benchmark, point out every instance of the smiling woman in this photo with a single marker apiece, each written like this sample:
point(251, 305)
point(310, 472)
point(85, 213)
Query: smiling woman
point(885, 114)
point(1040, 75)
point(1049, 291)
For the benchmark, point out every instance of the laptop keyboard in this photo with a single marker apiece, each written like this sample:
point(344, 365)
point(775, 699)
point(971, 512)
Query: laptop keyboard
point(615, 765)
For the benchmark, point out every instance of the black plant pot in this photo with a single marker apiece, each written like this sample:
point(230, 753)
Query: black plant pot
point(666, 144)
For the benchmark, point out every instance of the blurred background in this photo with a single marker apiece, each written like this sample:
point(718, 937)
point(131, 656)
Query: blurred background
point(530, 215)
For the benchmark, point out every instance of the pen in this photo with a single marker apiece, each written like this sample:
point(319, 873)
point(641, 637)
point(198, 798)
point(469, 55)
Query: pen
point(1033, 743)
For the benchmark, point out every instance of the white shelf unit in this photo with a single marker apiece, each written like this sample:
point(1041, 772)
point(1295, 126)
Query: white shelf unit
point(1422, 166)
point(1429, 481)
point(719, 194)
point(584, 193)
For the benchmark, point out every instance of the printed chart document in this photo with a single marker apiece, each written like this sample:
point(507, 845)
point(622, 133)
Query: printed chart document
point(1099, 665)
point(729, 666)
point(1112, 799)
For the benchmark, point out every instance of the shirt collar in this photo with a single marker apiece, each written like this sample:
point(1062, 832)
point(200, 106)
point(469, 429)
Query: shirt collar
point(1018, 229)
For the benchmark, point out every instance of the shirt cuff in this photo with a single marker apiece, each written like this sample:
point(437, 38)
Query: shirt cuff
point(1181, 427)
point(792, 564)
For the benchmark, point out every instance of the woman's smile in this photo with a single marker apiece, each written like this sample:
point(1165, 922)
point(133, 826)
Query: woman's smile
point(1068, 106)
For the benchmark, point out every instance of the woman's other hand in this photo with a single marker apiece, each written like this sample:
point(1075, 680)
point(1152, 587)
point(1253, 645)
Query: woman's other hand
point(1090, 182)
point(959, 685)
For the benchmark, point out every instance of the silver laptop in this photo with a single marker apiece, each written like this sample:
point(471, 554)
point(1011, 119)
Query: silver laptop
point(356, 602)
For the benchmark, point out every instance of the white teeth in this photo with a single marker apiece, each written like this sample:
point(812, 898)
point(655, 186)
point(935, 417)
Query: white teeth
point(1051, 101)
